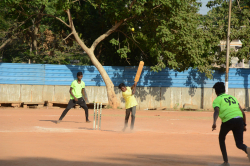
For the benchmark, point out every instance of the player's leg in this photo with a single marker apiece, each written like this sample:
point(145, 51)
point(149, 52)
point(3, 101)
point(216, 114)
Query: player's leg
point(225, 128)
point(71, 104)
point(238, 131)
point(133, 117)
point(127, 117)
point(82, 103)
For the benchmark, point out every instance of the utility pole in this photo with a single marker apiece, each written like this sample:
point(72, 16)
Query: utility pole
point(228, 46)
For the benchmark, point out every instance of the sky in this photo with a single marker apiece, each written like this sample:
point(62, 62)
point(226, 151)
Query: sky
point(204, 9)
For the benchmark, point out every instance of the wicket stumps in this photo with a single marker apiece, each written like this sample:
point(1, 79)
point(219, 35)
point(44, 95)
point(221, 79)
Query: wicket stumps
point(95, 121)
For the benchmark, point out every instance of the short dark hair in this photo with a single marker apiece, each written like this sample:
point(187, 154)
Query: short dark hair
point(121, 85)
point(219, 88)
point(79, 74)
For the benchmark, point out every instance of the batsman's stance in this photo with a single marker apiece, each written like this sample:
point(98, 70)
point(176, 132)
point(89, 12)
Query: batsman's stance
point(76, 97)
point(233, 118)
point(130, 103)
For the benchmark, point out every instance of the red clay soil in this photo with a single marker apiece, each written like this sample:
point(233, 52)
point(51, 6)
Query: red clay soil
point(30, 137)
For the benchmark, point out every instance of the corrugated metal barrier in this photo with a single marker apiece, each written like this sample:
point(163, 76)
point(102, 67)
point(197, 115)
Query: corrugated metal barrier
point(46, 74)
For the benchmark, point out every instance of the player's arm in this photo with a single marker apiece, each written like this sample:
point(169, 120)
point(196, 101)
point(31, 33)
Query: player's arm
point(70, 91)
point(216, 114)
point(83, 94)
point(134, 88)
point(244, 117)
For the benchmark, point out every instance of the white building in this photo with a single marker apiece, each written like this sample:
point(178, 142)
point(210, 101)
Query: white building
point(236, 45)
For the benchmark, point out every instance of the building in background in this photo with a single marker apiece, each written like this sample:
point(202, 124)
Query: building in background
point(235, 45)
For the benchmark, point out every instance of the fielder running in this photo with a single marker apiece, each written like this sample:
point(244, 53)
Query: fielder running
point(233, 118)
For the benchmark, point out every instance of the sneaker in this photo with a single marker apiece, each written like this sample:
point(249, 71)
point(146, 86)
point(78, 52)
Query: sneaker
point(58, 121)
point(88, 121)
point(248, 153)
point(225, 164)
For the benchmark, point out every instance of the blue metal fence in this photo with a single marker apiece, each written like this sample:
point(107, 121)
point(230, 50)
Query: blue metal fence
point(46, 74)
point(14, 73)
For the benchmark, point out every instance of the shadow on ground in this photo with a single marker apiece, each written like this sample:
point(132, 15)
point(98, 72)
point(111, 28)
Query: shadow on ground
point(85, 128)
point(136, 159)
point(54, 121)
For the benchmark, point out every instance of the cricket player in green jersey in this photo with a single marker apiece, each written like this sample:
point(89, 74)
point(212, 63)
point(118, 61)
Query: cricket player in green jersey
point(233, 118)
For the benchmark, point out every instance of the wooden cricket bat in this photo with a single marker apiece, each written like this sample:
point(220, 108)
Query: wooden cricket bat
point(139, 70)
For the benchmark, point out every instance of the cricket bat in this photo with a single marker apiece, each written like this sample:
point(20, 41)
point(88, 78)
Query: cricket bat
point(139, 70)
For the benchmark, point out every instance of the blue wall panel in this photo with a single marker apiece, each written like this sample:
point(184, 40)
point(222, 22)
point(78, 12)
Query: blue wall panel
point(39, 74)
point(18, 73)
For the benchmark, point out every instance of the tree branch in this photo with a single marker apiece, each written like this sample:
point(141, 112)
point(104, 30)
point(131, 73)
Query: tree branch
point(22, 23)
point(50, 16)
point(128, 61)
point(71, 25)
point(5, 43)
point(57, 19)
point(74, 1)
point(156, 6)
point(126, 19)
point(241, 10)
point(13, 36)
point(132, 40)
point(132, 3)
point(39, 17)
point(73, 31)
point(68, 36)
point(102, 37)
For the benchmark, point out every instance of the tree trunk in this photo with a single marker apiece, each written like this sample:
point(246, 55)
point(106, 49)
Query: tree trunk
point(34, 40)
point(112, 99)
point(30, 52)
point(36, 29)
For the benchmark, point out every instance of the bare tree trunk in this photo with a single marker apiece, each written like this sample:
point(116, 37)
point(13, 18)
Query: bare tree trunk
point(34, 32)
point(36, 28)
point(30, 52)
point(32, 36)
point(34, 41)
point(112, 99)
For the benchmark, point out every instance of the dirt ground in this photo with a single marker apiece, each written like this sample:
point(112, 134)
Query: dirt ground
point(30, 137)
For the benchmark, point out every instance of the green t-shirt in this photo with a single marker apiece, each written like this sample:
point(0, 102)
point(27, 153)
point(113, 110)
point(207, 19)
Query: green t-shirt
point(77, 89)
point(229, 107)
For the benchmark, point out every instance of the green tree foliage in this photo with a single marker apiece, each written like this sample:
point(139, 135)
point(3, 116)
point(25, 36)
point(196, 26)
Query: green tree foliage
point(217, 22)
point(21, 19)
point(166, 32)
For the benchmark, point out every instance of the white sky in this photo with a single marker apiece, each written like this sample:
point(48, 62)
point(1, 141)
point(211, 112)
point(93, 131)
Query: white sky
point(204, 9)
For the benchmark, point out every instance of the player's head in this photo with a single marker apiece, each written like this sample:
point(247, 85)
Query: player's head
point(79, 75)
point(122, 87)
point(219, 88)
